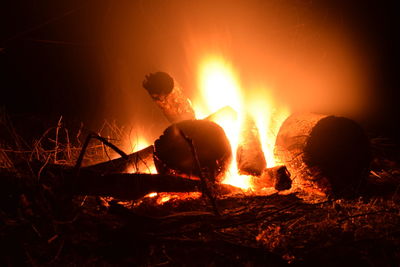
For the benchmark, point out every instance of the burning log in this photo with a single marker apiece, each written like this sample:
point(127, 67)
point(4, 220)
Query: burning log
point(139, 161)
point(249, 155)
point(169, 97)
point(173, 155)
point(324, 154)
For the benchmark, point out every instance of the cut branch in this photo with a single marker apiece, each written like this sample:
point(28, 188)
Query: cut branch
point(169, 97)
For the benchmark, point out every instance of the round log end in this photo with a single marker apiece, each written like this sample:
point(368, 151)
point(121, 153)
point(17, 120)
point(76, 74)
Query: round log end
point(173, 153)
point(159, 83)
point(325, 153)
point(339, 149)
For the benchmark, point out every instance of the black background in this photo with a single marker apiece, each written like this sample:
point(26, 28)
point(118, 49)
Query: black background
point(50, 65)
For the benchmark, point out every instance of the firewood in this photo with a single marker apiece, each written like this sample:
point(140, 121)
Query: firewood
point(64, 182)
point(249, 155)
point(139, 161)
point(326, 155)
point(131, 186)
point(169, 97)
point(173, 155)
point(277, 177)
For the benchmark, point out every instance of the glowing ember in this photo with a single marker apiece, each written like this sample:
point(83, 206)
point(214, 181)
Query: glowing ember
point(220, 87)
point(150, 195)
point(161, 198)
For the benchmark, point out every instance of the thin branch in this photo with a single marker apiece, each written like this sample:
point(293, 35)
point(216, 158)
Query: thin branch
point(204, 186)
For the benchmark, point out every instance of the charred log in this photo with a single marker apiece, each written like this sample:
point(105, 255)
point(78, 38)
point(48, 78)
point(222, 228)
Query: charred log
point(169, 97)
point(249, 155)
point(131, 186)
point(173, 155)
point(138, 161)
point(324, 154)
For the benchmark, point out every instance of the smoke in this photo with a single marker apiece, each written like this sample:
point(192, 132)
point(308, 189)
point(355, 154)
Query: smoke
point(306, 54)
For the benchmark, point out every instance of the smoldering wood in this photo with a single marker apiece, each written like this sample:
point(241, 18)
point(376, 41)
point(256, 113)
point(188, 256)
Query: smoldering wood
point(324, 154)
point(169, 97)
point(277, 177)
point(139, 161)
point(173, 155)
point(249, 155)
point(131, 186)
point(63, 182)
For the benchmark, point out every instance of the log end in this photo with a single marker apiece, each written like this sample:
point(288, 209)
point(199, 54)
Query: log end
point(338, 149)
point(159, 83)
point(173, 154)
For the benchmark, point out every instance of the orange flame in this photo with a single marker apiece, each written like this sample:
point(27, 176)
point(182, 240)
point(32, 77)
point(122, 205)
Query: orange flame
point(220, 86)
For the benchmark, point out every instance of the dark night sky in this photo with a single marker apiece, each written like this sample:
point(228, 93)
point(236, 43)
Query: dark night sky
point(50, 63)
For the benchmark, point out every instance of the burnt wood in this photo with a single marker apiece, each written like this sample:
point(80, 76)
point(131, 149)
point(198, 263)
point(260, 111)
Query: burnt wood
point(131, 186)
point(249, 155)
point(139, 161)
point(277, 177)
point(173, 154)
point(169, 97)
point(324, 154)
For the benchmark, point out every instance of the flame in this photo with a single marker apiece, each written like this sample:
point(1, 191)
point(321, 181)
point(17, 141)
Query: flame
point(138, 143)
point(220, 87)
point(268, 119)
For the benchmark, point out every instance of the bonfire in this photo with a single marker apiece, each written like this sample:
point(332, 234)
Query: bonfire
point(228, 182)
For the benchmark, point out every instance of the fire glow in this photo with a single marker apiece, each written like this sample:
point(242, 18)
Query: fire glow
point(219, 87)
point(222, 94)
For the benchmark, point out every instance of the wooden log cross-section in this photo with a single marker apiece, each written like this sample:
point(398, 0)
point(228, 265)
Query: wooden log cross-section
point(169, 97)
point(173, 154)
point(324, 154)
